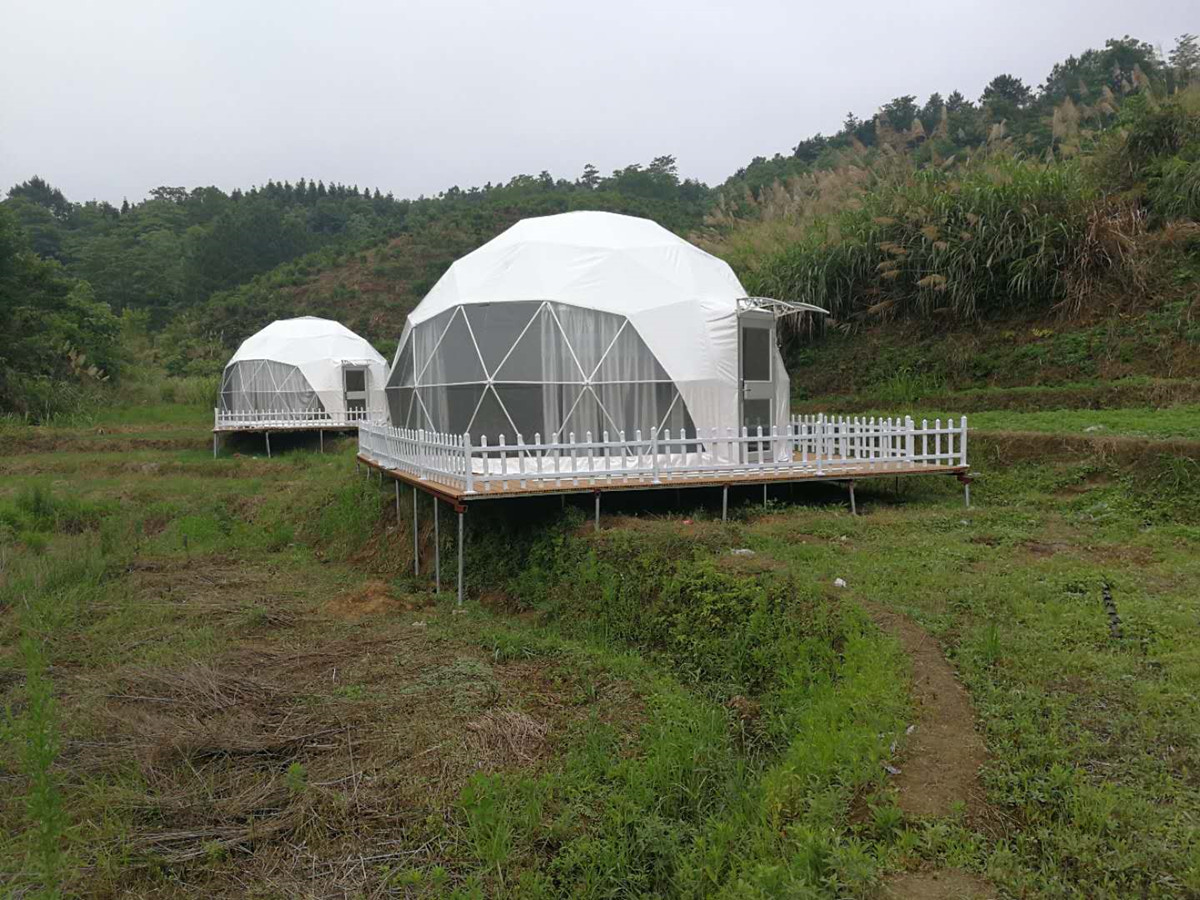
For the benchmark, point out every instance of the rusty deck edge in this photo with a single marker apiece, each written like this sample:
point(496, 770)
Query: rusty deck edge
point(458, 497)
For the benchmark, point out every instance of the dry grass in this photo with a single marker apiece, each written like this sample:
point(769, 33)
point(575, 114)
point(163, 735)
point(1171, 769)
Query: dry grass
point(502, 737)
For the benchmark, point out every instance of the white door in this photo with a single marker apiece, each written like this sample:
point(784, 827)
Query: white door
point(354, 379)
point(756, 352)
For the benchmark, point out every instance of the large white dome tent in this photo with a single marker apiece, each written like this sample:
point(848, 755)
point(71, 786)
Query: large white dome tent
point(588, 322)
point(302, 371)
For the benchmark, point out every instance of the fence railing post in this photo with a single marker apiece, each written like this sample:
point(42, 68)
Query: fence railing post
point(962, 455)
point(468, 468)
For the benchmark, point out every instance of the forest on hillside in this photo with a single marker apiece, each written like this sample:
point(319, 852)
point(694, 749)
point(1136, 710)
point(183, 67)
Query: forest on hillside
point(1061, 197)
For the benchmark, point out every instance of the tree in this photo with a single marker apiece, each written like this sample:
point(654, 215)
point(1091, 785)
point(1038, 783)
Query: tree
point(590, 177)
point(1007, 91)
point(54, 328)
point(38, 190)
point(900, 112)
point(1185, 60)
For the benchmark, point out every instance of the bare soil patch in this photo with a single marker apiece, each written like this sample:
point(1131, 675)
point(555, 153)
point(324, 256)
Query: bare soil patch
point(941, 759)
point(943, 884)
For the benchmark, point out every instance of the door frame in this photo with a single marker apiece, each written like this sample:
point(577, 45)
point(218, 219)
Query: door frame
point(366, 391)
point(764, 390)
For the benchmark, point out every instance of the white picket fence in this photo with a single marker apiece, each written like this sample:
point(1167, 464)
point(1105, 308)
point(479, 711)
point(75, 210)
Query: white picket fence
point(811, 445)
point(257, 420)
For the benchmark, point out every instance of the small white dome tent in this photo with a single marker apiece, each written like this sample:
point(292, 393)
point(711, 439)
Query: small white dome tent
point(304, 370)
point(588, 322)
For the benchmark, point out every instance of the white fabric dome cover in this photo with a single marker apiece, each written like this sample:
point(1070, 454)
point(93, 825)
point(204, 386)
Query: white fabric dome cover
point(681, 301)
point(319, 349)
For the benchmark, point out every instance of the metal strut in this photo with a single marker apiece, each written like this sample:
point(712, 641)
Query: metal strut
point(460, 556)
point(416, 545)
point(853, 505)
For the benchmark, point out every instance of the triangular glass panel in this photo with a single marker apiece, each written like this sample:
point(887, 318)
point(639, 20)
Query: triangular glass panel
point(460, 402)
point(402, 373)
point(525, 407)
point(541, 356)
point(586, 417)
point(588, 331)
point(497, 326)
point(425, 405)
point(454, 360)
point(399, 401)
point(629, 359)
point(425, 337)
point(491, 422)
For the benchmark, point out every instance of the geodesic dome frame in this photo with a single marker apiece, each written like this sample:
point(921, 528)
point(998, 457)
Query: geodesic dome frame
point(532, 369)
point(578, 322)
point(302, 365)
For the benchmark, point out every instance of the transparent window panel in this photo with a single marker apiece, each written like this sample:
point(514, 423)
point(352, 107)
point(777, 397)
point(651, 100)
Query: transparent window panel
point(629, 359)
point(525, 406)
point(425, 337)
point(490, 421)
point(630, 407)
point(541, 355)
point(588, 331)
point(497, 326)
point(455, 359)
point(399, 401)
point(587, 416)
point(756, 354)
point(558, 400)
point(268, 386)
point(756, 413)
point(460, 403)
point(402, 374)
point(356, 380)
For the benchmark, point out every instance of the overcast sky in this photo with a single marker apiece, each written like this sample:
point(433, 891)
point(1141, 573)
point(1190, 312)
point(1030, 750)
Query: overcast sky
point(109, 99)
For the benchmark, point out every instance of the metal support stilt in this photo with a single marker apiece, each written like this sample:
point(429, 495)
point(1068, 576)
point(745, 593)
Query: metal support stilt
point(321, 432)
point(437, 550)
point(764, 495)
point(460, 557)
point(853, 505)
point(724, 502)
point(967, 493)
point(215, 438)
point(416, 544)
point(597, 510)
point(267, 435)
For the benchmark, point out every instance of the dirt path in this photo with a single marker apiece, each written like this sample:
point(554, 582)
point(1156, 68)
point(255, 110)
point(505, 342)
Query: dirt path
point(941, 759)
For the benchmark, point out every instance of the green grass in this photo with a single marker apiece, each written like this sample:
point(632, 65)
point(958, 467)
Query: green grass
point(694, 724)
point(1147, 422)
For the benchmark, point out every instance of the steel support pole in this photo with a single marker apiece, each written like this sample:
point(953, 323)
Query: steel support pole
point(321, 432)
point(724, 502)
point(267, 435)
point(597, 510)
point(967, 493)
point(416, 545)
point(214, 445)
point(764, 495)
point(853, 505)
point(437, 550)
point(460, 557)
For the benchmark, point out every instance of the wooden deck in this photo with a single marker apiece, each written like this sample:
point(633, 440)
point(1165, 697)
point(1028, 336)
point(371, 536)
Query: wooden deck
point(843, 471)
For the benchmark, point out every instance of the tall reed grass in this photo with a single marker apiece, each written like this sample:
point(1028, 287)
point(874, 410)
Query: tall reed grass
point(999, 234)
